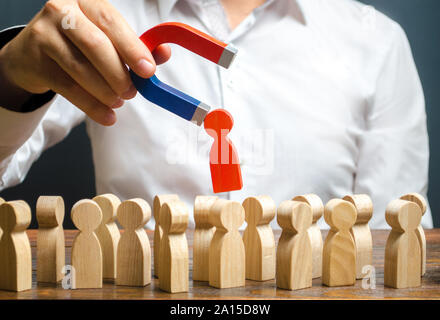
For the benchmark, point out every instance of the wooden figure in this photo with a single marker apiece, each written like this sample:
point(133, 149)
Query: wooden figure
point(294, 253)
point(226, 252)
point(108, 233)
point(361, 231)
point(158, 202)
point(173, 255)
point(223, 157)
point(1, 202)
point(258, 238)
point(50, 239)
point(203, 234)
point(86, 249)
point(402, 252)
point(15, 249)
point(339, 253)
point(134, 253)
point(315, 235)
point(421, 202)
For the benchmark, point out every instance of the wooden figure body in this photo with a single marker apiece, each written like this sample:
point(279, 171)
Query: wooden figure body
point(294, 253)
point(339, 253)
point(203, 234)
point(86, 249)
point(50, 239)
point(15, 249)
point(1, 202)
point(315, 235)
point(258, 238)
point(134, 253)
point(361, 231)
point(402, 252)
point(223, 158)
point(226, 252)
point(421, 202)
point(158, 202)
point(173, 255)
point(108, 233)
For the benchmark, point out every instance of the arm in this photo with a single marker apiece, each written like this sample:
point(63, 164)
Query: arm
point(85, 61)
point(394, 149)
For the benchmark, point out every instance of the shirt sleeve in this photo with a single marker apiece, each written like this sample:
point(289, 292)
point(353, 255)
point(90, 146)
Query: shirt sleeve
point(25, 135)
point(394, 149)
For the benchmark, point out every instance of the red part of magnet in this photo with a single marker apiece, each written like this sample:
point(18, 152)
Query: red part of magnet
point(191, 39)
point(223, 157)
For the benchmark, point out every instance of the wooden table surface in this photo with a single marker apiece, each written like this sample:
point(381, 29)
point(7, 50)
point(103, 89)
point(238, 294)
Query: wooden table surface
point(430, 288)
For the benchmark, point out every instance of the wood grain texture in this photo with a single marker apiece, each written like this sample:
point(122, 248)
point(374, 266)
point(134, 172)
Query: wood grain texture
point(430, 288)
point(203, 234)
point(294, 252)
point(361, 231)
point(158, 201)
point(1, 202)
point(403, 253)
point(258, 238)
point(108, 233)
point(226, 252)
point(339, 253)
point(421, 202)
point(50, 242)
point(134, 253)
point(86, 250)
point(15, 249)
point(173, 254)
point(315, 235)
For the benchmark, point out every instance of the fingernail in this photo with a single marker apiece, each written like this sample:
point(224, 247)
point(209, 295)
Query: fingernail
point(130, 93)
point(145, 68)
point(119, 103)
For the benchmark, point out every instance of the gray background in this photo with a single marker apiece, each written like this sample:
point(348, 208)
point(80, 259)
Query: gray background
point(67, 168)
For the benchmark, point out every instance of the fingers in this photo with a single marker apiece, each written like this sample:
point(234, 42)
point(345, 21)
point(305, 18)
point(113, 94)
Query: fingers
point(60, 82)
point(131, 49)
point(76, 65)
point(162, 53)
point(96, 47)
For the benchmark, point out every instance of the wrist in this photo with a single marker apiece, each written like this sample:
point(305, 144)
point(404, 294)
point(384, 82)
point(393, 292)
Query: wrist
point(12, 97)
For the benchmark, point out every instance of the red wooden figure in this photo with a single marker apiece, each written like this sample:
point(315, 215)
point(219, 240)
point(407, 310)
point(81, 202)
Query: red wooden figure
point(223, 158)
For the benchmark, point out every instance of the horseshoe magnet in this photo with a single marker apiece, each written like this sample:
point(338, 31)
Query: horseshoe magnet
point(194, 40)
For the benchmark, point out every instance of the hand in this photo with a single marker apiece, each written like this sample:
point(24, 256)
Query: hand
point(86, 64)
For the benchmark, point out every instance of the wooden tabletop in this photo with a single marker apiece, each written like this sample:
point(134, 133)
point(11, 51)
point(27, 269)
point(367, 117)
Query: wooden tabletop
point(430, 288)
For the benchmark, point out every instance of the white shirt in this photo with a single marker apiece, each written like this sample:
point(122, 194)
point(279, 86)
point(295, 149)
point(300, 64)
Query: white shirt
point(325, 97)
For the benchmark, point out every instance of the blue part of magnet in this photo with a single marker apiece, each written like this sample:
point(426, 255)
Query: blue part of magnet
point(166, 96)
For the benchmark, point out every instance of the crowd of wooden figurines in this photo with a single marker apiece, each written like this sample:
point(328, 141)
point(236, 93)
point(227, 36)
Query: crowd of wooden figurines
point(221, 256)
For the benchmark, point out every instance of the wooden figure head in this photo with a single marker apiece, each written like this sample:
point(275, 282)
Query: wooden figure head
point(294, 216)
point(363, 205)
point(340, 214)
point(108, 203)
point(218, 123)
point(315, 202)
point(403, 216)
point(158, 201)
point(174, 217)
point(50, 211)
point(86, 215)
point(202, 206)
point(418, 199)
point(134, 214)
point(259, 210)
point(15, 216)
point(227, 215)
